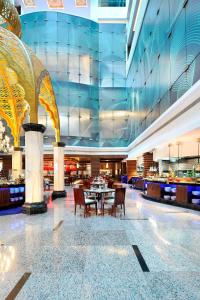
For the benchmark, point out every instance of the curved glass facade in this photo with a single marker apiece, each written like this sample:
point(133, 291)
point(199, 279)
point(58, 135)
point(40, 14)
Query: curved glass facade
point(86, 61)
point(98, 104)
point(166, 61)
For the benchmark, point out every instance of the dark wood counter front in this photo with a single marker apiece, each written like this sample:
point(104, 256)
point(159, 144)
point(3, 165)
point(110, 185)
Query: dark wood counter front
point(174, 193)
point(182, 194)
point(139, 184)
point(154, 190)
point(12, 195)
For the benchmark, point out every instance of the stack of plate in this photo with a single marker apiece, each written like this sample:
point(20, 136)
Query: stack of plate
point(196, 201)
point(196, 193)
point(167, 189)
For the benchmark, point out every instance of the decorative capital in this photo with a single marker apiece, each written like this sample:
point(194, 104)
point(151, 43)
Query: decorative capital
point(34, 127)
point(59, 144)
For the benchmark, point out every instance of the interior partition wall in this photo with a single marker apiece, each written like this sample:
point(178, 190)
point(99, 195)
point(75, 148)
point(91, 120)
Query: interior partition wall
point(86, 61)
point(166, 60)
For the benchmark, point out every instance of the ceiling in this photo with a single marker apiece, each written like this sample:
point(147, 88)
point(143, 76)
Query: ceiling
point(193, 135)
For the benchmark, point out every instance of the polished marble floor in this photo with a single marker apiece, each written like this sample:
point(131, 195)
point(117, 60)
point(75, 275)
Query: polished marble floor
point(70, 257)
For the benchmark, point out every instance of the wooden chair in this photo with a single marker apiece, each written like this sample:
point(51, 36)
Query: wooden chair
point(119, 199)
point(80, 199)
point(86, 184)
point(110, 184)
point(117, 186)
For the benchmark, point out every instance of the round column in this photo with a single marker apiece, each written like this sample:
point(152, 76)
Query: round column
point(17, 162)
point(59, 182)
point(34, 198)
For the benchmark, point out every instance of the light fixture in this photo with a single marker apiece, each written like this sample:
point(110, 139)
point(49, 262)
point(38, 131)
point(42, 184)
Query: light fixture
point(57, 4)
point(198, 164)
point(4, 140)
point(178, 157)
point(81, 3)
point(29, 3)
point(169, 147)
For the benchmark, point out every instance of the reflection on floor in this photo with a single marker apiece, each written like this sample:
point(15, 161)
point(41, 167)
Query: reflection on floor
point(75, 258)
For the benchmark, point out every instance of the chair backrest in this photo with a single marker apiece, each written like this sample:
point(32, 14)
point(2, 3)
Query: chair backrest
point(110, 184)
point(117, 186)
point(120, 196)
point(86, 184)
point(79, 197)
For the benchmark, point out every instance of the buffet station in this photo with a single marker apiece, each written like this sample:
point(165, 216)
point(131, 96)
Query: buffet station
point(180, 192)
point(11, 195)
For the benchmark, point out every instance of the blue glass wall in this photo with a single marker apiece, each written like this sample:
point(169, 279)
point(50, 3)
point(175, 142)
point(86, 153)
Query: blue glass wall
point(166, 61)
point(113, 106)
point(112, 3)
point(88, 73)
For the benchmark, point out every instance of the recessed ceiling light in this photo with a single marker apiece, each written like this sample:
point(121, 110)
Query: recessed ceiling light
point(81, 3)
point(55, 4)
point(29, 3)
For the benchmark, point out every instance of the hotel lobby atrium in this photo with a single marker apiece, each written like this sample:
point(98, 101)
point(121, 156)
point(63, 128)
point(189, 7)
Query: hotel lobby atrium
point(99, 149)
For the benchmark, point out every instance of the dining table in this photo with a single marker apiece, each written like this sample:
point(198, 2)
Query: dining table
point(100, 193)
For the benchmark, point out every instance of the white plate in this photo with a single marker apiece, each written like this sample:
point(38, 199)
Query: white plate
point(196, 201)
point(167, 189)
point(195, 193)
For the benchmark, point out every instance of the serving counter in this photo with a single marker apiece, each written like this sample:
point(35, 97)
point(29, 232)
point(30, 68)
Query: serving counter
point(183, 194)
point(12, 195)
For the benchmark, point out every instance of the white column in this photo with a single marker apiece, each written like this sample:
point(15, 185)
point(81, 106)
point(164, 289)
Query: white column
point(59, 182)
point(17, 162)
point(34, 198)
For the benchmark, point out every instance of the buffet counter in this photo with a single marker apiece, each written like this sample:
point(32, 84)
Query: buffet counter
point(137, 183)
point(185, 194)
point(12, 195)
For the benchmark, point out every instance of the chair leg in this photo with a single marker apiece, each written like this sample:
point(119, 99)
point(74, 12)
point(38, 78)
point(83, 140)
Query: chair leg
point(124, 209)
point(121, 206)
point(96, 208)
point(84, 211)
point(113, 211)
point(75, 209)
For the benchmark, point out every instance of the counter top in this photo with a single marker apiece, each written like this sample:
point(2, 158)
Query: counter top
point(11, 185)
point(173, 182)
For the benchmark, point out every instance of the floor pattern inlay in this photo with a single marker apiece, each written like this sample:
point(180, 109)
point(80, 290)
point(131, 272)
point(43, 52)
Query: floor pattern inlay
point(140, 258)
point(15, 291)
point(58, 225)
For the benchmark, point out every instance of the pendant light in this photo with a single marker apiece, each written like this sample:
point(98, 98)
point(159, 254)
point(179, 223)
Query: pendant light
point(169, 152)
point(198, 161)
point(178, 154)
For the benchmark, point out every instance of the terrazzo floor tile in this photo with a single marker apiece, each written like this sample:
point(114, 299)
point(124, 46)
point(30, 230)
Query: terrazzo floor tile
point(93, 258)
point(114, 293)
point(54, 285)
point(7, 281)
point(52, 259)
point(113, 238)
point(174, 285)
point(112, 266)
